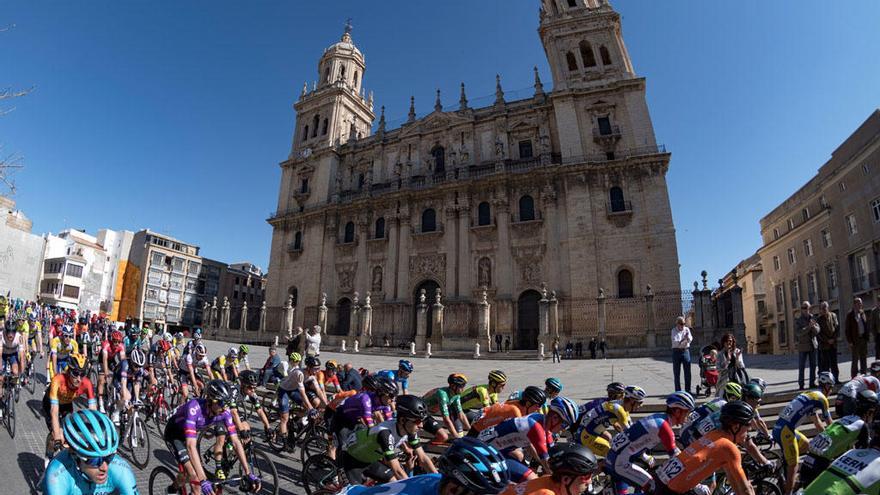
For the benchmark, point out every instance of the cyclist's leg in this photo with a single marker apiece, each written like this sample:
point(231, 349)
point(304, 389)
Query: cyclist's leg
point(283, 409)
point(597, 444)
point(788, 442)
point(175, 441)
point(626, 474)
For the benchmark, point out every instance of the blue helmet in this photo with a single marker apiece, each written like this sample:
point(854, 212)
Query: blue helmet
point(474, 465)
point(566, 409)
point(405, 365)
point(90, 434)
point(553, 384)
point(197, 333)
point(681, 400)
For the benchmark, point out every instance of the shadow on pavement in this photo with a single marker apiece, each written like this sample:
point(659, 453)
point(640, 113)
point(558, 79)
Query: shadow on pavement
point(35, 406)
point(31, 466)
point(162, 455)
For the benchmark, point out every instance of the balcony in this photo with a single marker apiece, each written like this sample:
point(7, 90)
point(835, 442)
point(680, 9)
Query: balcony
point(617, 208)
point(293, 248)
point(606, 137)
point(866, 282)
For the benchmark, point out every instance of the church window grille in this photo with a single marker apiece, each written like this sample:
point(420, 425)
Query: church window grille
point(572, 62)
point(439, 155)
point(587, 54)
point(525, 149)
point(617, 200)
point(624, 284)
point(526, 208)
point(324, 127)
point(484, 214)
point(297, 241)
point(348, 235)
point(606, 57)
point(380, 228)
point(315, 122)
point(429, 220)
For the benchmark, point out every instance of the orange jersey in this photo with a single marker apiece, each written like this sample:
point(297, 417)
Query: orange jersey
point(538, 486)
point(339, 397)
point(497, 413)
point(700, 460)
point(60, 393)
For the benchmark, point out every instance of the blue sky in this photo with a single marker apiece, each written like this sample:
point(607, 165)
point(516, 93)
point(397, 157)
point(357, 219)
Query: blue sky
point(174, 115)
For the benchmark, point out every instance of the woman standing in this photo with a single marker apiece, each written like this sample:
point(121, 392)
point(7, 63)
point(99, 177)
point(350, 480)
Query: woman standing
point(730, 360)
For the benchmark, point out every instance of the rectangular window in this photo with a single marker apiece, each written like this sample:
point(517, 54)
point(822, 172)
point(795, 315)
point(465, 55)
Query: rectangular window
point(875, 210)
point(780, 298)
point(604, 126)
point(762, 307)
point(812, 288)
point(826, 238)
point(776, 263)
point(177, 264)
point(851, 225)
point(792, 257)
point(70, 291)
point(157, 259)
point(808, 247)
point(75, 271)
point(790, 223)
point(525, 149)
point(806, 214)
point(775, 233)
point(831, 281)
point(304, 185)
point(795, 293)
point(783, 333)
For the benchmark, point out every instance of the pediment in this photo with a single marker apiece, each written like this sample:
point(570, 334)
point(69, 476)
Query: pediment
point(433, 122)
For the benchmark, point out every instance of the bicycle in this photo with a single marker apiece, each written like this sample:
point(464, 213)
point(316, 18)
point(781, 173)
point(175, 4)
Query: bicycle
point(157, 407)
point(135, 437)
point(7, 403)
point(163, 480)
point(258, 461)
point(311, 437)
point(322, 475)
point(30, 381)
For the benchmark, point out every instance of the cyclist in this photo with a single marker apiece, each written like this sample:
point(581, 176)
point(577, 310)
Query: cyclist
point(133, 336)
point(363, 408)
point(401, 376)
point(35, 336)
point(573, 466)
point(642, 436)
point(475, 399)
point(366, 448)
point(530, 400)
point(195, 415)
point(13, 356)
point(855, 472)
point(615, 391)
point(90, 466)
point(223, 364)
point(243, 351)
point(60, 350)
point(711, 452)
point(596, 425)
point(845, 433)
point(186, 370)
point(247, 387)
point(59, 397)
point(534, 432)
point(553, 387)
point(300, 386)
point(446, 401)
point(845, 404)
point(127, 379)
point(328, 376)
point(703, 419)
point(811, 403)
point(112, 353)
point(193, 342)
point(468, 467)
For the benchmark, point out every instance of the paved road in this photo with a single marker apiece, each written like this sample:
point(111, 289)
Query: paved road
point(21, 459)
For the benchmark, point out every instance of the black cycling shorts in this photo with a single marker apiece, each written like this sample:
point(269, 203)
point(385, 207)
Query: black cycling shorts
point(63, 410)
point(175, 440)
point(431, 425)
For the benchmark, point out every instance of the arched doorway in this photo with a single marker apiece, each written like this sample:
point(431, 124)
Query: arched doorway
point(430, 287)
point(527, 320)
point(343, 317)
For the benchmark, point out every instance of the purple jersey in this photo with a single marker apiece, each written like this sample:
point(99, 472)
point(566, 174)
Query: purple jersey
point(361, 406)
point(191, 417)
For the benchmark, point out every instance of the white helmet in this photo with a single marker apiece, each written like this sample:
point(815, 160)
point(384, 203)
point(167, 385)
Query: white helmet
point(826, 378)
point(232, 352)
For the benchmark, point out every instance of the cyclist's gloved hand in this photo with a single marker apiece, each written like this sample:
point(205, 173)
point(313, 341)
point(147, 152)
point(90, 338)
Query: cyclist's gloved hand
point(250, 483)
point(207, 487)
point(57, 445)
point(701, 489)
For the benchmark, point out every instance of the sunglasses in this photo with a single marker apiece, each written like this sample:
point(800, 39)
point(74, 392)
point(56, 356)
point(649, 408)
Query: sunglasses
point(76, 373)
point(96, 462)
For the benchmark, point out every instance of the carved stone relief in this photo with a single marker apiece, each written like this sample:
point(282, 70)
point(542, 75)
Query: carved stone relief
point(426, 266)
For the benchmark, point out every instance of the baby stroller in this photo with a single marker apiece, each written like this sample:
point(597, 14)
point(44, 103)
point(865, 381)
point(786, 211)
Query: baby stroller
point(708, 369)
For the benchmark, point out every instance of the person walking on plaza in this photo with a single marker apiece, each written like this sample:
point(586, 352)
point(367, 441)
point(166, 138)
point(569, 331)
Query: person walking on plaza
point(507, 343)
point(592, 347)
point(579, 349)
point(603, 346)
point(730, 360)
point(806, 329)
point(498, 341)
point(313, 341)
point(829, 332)
point(556, 358)
point(569, 350)
point(857, 337)
point(681, 357)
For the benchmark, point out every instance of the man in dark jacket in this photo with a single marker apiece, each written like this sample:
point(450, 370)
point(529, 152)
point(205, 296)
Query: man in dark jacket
point(857, 336)
point(498, 341)
point(592, 346)
point(349, 378)
point(829, 332)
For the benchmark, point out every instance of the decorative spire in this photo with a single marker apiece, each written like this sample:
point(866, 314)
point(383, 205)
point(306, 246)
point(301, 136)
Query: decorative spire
point(346, 33)
point(539, 88)
point(462, 102)
point(438, 107)
point(412, 109)
point(304, 91)
point(499, 93)
point(381, 129)
point(352, 130)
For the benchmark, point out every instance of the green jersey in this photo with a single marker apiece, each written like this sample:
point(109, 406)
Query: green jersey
point(379, 443)
point(441, 401)
point(855, 472)
point(478, 397)
point(839, 437)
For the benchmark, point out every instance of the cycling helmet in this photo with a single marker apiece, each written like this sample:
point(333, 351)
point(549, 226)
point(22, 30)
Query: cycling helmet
point(457, 379)
point(249, 377)
point(733, 391)
point(295, 357)
point(534, 395)
point(133, 332)
point(244, 349)
point(615, 388)
point(331, 365)
point(411, 407)
point(76, 363)
point(66, 331)
point(179, 336)
point(167, 337)
point(566, 409)
point(635, 393)
point(219, 391)
point(82, 320)
point(232, 352)
point(753, 391)
point(680, 400)
point(312, 362)
point(369, 383)
point(553, 384)
point(872, 383)
point(405, 365)
point(875, 367)
point(116, 336)
point(572, 459)
point(865, 401)
point(497, 376)
point(825, 378)
point(197, 333)
point(90, 434)
point(736, 412)
point(10, 329)
point(475, 466)
point(384, 386)
point(138, 358)
point(200, 349)
point(759, 382)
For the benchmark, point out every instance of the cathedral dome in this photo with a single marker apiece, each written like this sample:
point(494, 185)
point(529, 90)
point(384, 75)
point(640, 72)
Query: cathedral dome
point(345, 46)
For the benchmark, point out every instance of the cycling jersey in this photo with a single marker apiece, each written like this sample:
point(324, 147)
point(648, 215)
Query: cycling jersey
point(702, 420)
point(852, 388)
point(61, 351)
point(190, 417)
point(132, 344)
point(59, 392)
point(188, 360)
point(441, 401)
point(402, 383)
point(381, 442)
point(63, 477)
point(855, 472)
point(360, 407)
point(643, 435)
point(538, 486)
point(700, 460)
point(839, 437)
point(497, 413)
point(12, 347)
point(426, 484)
point(600, 419)
point(519, 433)
point(217, 365)
point(785, 430)
point(477, 397)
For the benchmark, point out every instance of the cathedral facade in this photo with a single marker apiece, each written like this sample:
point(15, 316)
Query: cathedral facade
point(559, 196)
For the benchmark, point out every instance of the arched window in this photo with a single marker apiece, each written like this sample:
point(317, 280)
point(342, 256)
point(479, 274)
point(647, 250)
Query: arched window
point(360, 181)
point(342, 73)
point(291, 291)
point(484, 214)
point(315, 122)
point(606, 57)
point(526, 208)
point(439, 155)
point(429, 220)
point(624, 283)
point(348, 235)
point(572, 62)
point(355, 80)
point(587, 54)
point(572, 3)
point(297, 241)
point(306, 132)
point(616, 196)
point(327, 74)
point(324, 127)
point(380, 228)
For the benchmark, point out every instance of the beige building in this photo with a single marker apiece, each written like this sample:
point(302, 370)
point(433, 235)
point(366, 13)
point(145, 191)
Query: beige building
point(565, 187)
point(749, 276)
point(823, 242)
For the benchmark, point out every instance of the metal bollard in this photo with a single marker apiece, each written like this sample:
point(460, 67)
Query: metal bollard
point(276, 341)
point(428, 350)
point(476, 350)
point(412, 348)
point(541, 352)
point(356, 346)
point(343, 346)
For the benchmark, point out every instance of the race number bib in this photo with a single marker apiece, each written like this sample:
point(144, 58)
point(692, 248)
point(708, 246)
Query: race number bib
point(619, 441)
point(787, 413)
point(820, 444)
point(670, 470)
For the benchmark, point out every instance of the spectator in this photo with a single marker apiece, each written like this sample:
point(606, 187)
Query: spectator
point(874, 324)
point(498, 342)
point(272, 362)
point(603, 346)
point(681, 357)
point(569, 349)
point(507, 343)
point(729, 361)
point(593, 345)
point(806, 329)
point(293, 340)
point(313, 341)
point(829, 332)
point(579, 349)
point(857, 337)
point(349, 378)
point(556, 358)
point(385, 341)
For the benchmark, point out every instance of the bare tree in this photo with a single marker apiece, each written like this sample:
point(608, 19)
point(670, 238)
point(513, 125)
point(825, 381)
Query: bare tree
point(9, 162)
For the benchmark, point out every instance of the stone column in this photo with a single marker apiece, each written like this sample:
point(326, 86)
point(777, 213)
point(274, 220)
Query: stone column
point(403, 257)
point(288, 316)
point(244, 315)
point(553, 306)
point(263, 317)
point(322, 311)
point(651, 341)
point(465, 271)
point(437, 322)
point(601, 303)
point(224, 318)
point(389, 276)
point(544, 317)
point(451, 250)
point(553, 258)
point(504, 271)
point(362, 273)
point(421, 320)
point(366, 318)
point(483, 319)
point(354, 322)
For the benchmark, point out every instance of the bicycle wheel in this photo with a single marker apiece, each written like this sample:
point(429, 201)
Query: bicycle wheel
point(138, 440)
point(10, 414)
point(161, 478)
point(161, 413)
point(262, 466)
point(313, 445)
point(31, 379)
point(320, 472)
point(205, 445)
point(764, 487)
